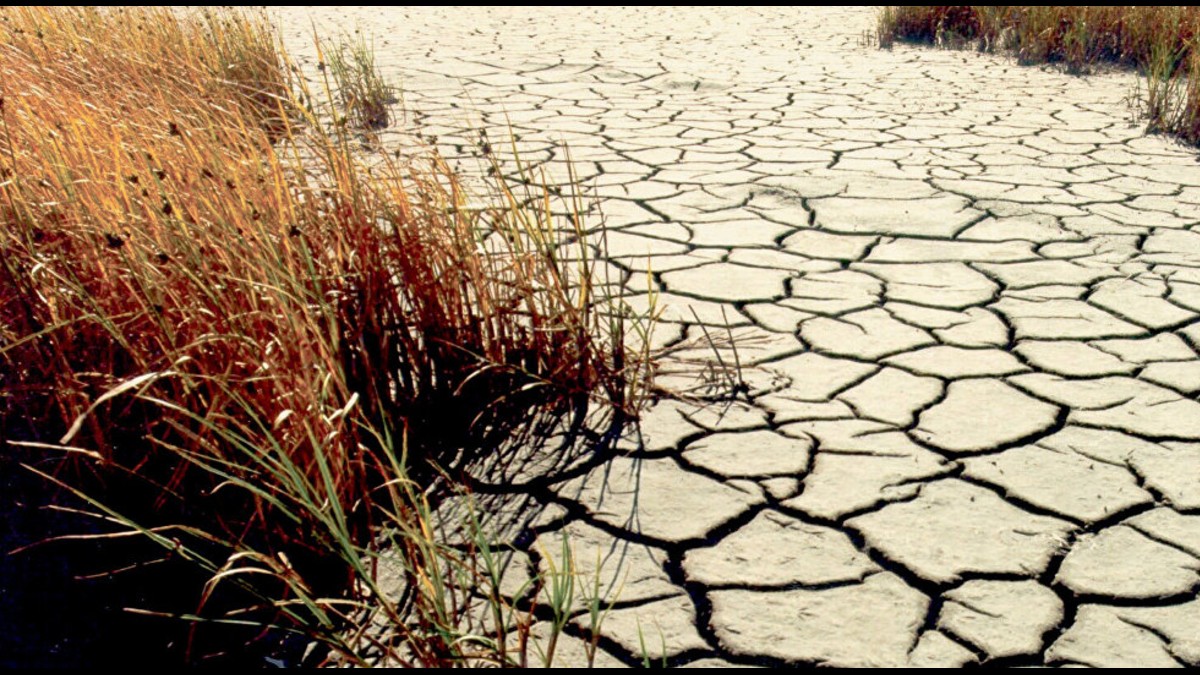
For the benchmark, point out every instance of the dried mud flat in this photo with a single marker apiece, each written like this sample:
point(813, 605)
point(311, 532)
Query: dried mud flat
point(968, 293)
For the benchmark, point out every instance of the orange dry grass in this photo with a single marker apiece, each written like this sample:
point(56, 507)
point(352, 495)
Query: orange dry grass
point(1078, 36)
point(1161, 41)
point(145, 233)
point(190, 277)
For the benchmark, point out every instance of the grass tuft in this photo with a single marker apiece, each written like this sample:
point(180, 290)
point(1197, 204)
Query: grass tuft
point(364, 93)
point(224, 331)
point(1161, 42)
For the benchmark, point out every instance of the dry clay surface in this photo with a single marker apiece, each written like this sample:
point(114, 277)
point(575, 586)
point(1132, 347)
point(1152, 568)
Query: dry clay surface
point(967, 294)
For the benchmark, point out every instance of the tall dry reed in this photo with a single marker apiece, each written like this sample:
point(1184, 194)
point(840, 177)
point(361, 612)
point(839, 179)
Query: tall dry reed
point(222, 330)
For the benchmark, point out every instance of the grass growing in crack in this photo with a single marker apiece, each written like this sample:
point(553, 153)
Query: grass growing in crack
point(1161, 42)
point(223, 333)
point(662, 641)
point(559, 590)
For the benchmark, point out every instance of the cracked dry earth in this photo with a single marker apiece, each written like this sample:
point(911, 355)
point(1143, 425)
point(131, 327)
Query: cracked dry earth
point(968, 297)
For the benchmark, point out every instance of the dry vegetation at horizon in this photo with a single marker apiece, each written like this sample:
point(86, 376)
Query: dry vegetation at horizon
point(1161, 42)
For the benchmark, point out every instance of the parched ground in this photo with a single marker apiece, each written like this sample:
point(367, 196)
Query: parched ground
point(968, 295)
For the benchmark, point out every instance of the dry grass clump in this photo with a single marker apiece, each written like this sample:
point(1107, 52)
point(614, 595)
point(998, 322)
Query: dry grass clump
point(221, 331)
point(1159, 41)
point(365, 95)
